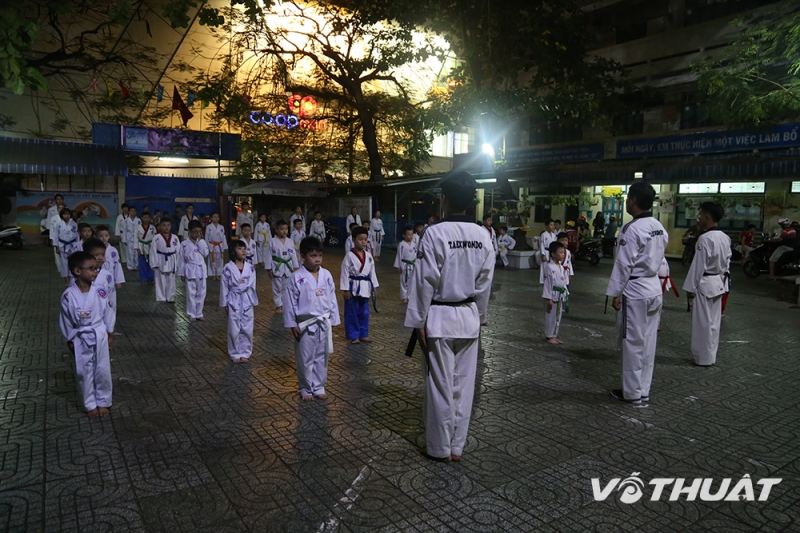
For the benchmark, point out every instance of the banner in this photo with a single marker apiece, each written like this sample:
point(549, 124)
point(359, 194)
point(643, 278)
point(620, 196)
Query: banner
point(781, 136)
point(560, 154)
point(92, 208)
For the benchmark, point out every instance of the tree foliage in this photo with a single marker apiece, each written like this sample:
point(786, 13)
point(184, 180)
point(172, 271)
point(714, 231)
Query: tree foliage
point(758, 78)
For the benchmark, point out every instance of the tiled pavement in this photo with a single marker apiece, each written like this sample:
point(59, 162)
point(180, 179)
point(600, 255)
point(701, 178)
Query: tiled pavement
point(197, 444)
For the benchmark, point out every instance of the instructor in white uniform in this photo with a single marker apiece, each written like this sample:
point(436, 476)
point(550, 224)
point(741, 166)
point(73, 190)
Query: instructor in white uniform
point(636, 292)
point(447, 304)
point(707, 281)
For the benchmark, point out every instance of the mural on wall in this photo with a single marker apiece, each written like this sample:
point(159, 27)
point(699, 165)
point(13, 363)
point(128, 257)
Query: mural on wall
point(93, 208)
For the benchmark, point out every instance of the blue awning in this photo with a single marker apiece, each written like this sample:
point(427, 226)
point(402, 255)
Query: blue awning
point(41, 156)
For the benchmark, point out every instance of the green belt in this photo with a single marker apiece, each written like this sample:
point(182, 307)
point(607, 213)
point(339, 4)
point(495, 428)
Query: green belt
point(145, 242)
point(565, 293)
point(282, 261)
point(409, 261)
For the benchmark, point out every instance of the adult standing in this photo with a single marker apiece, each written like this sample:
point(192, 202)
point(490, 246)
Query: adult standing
point(599, 224)
point(636, 292)
point(448, 300)
point(119, 231)
point(707, 281)
point(353, 218)
point(298, 214)
point(183, 227)
point(376, 234)
point(245, 216)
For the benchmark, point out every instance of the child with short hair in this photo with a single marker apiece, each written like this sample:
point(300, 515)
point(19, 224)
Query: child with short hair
point(404, 261)
point(165, 261)
point(66, 242)
point(104, 281)
point(263, 236)
point(368, 247)
point(348, 243)
point(85, 231)
point(217, 245)
point(112, 266)
point(282, 262)
point(419, 229)
point(129, 236)
point(145, 233)
point(238, 296)
point(194, 251)
point(250, 243)
point(318, 228)
point(555, 291)
point(298, 233)
point(358, 280)
point(85, 322)
point(563, 238)
point(376, 234)
point(505, 243)
point(311, 312)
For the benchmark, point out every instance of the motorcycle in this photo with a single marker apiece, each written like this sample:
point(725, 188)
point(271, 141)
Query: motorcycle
point(590, 250)
point(11, 237)
point(757, 261)
point(331, 240)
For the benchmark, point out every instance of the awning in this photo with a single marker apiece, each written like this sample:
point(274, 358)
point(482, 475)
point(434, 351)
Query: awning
point(281, 188)
point(41, 156)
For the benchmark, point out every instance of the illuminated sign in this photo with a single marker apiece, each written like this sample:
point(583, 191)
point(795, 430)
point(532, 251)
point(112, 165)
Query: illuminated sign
point(301, 111)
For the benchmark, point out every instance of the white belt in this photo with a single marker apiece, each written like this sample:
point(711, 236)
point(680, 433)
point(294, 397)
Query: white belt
point(322, 320)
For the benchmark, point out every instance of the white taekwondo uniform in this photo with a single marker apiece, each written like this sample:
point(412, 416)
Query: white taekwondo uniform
point(352, 220)
point(310, 305)
point(86, 321)
point(165, 260)
point(318, 230)
point(238, 294)
point(555, 290)
point(263, 235)
point(112, 267)
point(505, 243)
point(449, 296)
point(404, 261)
point(243, 218)
point(194, 272)
point(708, 279)
point(294, 217)
point(66, 241)
point(217, 246)
point(545, 239)
point(251, 251)
point(376, 234)
point(119, 231)
point(567, 264)
point(640, 250)
point(183, 227)
point(131, 242)
point(144, 239)
point(297, 237)
point(282, 262)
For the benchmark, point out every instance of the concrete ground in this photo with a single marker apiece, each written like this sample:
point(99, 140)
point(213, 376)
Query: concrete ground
point(195, 443)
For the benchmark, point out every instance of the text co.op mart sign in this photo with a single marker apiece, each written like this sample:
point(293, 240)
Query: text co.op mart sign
point(781, 136)
point(301, 115)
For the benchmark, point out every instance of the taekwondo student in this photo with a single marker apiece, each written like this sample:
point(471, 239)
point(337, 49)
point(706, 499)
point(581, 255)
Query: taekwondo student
point(217, 246)
point(281, 262)
point(194, 251)
point(376, 234)
point(637, 294)
point(447, 305)
point(708, 280)
point(311, 312)
point(318, 228)
point(404, 261)
point(505, 243)
point(548, 235)
point(183, 226)
point(237, 294)
point(263, 236)
point(131, 229)
point(165, 260)
point(358, 280)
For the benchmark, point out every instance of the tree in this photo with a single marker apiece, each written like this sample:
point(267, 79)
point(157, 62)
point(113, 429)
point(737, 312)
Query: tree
point(757, 79)
point(337, 56)
point(517, 57)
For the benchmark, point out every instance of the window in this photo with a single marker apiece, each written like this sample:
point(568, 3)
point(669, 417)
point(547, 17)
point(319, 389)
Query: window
point(796, 186)
point(442, 145)
point(698, 188)
point(745, 210)
point(460, 143)
point(756, 186)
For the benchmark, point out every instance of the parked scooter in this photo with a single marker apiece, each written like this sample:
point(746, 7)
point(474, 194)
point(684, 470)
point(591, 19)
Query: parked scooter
point(11, 237)
point(757, 261)
point(590, 250)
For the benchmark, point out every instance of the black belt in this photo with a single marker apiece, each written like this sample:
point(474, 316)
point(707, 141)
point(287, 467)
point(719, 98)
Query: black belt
point(716, 273)
point(638, 277)
point(454, 304)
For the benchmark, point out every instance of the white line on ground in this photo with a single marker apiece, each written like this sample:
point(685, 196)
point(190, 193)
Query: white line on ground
point(346, 502)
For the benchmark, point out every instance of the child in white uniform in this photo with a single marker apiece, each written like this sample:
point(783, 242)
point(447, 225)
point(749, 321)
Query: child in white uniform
point(238, 295)
point(376, 234)
point(263, 236)
point(85, 323)
point(404, 262)
point(505, 243)
point(311, 312)
point(217, 246)
point(298, 233)
point(563, 238)
point(194, 252)
point(66, 242)
point(318, 228)
point(165, 261)
point(358, 281)
point(282, 262)
point(129, 235)
point(250, 243)
point(112, 266)
point(145, 233)
point(555, 291)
